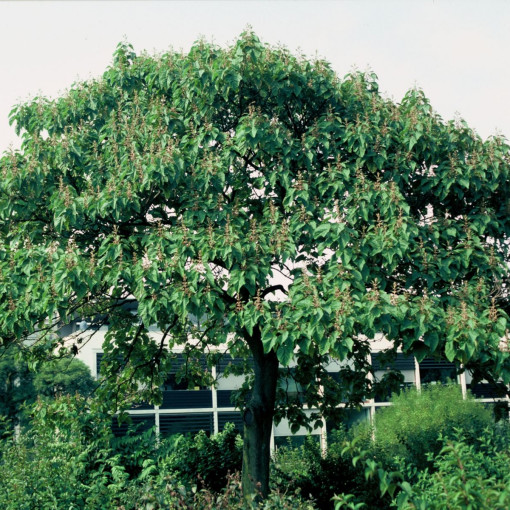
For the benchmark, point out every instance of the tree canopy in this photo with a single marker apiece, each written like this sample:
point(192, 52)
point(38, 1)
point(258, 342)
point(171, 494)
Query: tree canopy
point(250, 198)
point(20, 387)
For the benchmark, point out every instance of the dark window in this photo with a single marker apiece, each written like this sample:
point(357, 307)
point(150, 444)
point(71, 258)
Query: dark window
point(224, 398)
point(141, 422)
point(186, 399)
point(235, 363)
point(437, 370)
point(487, 390)
point(347, 418)
point(380, 361)
point(99, 357)
point(179, 394)
point(235, 418)
point(170, 424)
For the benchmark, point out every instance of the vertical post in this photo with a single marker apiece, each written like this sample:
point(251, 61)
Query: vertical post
point(215, 403)
point(156, 420)
point(463, 386)
point(417, 376)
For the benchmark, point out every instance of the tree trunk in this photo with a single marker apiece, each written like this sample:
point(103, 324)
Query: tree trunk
point(258, 421)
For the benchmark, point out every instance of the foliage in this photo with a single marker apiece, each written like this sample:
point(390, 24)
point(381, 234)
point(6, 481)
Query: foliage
point(69, 458)
point(320, 475)
point(62, 461)
point(63, 376)
point(180, 497)
point(408, 437)
point(412, 427)
point(20, 387)
point(203, 459)
point(466, 475)
point(16, 388)
point(187, 182)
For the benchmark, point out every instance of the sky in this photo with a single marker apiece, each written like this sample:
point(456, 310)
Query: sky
point(456, 51)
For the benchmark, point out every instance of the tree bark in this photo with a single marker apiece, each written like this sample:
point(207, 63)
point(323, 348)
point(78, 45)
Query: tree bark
point(258, 421)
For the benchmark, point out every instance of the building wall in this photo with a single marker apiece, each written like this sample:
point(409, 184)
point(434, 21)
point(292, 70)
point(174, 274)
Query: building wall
point(209, 409)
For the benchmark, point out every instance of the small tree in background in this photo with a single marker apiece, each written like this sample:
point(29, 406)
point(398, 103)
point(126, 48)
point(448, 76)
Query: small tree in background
point(20, 387)
point(65, 376)
point(16, 389)
point(249, 198)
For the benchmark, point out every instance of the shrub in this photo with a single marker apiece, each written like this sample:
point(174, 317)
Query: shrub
point(466, 475)
point(411, 429)
point(412, 426)
point(20, 387)
point(168, 495)
point(205, 459)
point(320, 476)
point(69, 458)
point(62, 461)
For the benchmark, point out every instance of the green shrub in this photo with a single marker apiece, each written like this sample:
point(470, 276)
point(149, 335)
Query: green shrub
point(466, 475)
point(20, 387)
point(203, 459)
point(69, 459)
point(62, 461)
point(412, 426)
point(319, 476)
point(467, 472)
point(409, 430)
point(169, 495)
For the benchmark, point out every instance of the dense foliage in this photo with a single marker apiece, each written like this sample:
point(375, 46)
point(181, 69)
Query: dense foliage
point(406, 444)
point(20, 387)
point(69, 458)
point(320, 476)
point(207, 460)
point(466, 474)
point(250, 198)
point(411, 428)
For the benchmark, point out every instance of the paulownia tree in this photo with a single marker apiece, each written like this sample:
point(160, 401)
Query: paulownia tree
point(251, 200)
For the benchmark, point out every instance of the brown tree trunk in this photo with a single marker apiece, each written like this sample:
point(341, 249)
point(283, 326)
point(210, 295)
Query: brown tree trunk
point(258, 421)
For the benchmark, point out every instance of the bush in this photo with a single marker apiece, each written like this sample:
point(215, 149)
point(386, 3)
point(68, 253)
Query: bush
point(412, 426)
point(204, 459)
point(410, 430)
point(69, 458)
point(466, 475)
point(20, 387)
point(63, 460)
point(320, 476)
point(177, 497)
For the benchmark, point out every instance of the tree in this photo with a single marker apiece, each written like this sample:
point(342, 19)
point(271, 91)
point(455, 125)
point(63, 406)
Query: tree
point(64, 376)
point(20, 387)
point(16, 388)
point(250, 198)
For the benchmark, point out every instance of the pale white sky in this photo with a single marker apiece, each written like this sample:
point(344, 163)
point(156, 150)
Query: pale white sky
point(456, 51)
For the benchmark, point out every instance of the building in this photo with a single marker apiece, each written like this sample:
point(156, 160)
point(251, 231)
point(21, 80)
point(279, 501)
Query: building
point(210, 408)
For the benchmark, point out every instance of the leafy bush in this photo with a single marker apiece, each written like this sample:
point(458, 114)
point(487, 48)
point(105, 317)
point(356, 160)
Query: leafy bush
point(20, 387)
point(204, 459)
point(171, 495)
point(474, 476)
point(466, 474)
point(63, 376)
point(410, 430)
point(63, 460)
point(412, 426)
point(319, 476)
point(69, 459)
